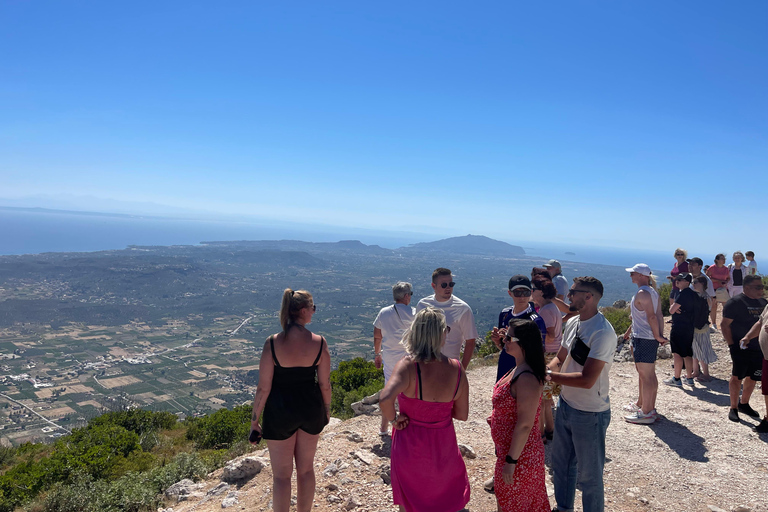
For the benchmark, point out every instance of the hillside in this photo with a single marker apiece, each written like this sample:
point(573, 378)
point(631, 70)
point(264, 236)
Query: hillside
point(692, 458)
point(470, 244)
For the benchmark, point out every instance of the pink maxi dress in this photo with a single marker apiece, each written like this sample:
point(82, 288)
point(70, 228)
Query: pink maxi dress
point(428, 472)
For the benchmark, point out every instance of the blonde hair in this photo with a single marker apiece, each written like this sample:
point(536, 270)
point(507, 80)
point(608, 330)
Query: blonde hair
point(685, 253)
point(652, 281)
point(424, 339)
point(738, 253)
point(293, 302)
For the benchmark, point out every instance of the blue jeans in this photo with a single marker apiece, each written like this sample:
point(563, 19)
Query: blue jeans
point(578, 457)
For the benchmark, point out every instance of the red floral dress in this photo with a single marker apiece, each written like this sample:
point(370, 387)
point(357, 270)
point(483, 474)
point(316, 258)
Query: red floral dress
point(528, 492)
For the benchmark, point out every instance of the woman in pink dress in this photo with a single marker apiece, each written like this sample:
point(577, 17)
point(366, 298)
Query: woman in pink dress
point(519, 476)
point(428, 473)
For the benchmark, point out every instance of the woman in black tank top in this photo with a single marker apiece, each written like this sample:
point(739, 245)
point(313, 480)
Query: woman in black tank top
point(295, 397)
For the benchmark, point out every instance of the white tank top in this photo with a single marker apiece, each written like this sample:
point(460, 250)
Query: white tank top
point(640, 326)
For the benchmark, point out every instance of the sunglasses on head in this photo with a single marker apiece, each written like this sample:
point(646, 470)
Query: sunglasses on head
point(447, 285)
point(521, 292)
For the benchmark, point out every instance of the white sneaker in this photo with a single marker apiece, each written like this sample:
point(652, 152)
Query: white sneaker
point(631, 407)
point(641, 418)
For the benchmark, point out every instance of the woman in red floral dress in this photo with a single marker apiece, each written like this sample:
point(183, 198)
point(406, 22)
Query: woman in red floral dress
point(519, 476)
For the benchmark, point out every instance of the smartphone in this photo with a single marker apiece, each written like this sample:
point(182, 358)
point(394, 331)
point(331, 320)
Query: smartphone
point(254, 437)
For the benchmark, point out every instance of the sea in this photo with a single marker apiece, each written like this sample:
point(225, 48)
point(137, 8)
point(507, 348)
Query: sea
point(33, 231)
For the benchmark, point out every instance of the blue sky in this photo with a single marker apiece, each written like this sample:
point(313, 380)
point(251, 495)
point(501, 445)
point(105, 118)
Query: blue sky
point(614, 123)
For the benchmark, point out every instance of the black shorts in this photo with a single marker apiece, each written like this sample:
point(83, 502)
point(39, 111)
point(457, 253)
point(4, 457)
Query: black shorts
point(746, 363)
point(681, 340)
point(644, 350)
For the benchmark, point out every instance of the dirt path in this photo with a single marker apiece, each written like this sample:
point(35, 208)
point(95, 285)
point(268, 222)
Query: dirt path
point(693, 458)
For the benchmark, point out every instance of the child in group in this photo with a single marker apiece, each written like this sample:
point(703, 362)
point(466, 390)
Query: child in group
point(703, 355)
point(752, 265)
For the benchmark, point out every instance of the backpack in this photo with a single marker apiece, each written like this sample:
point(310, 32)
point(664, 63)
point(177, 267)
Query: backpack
point(700, 311)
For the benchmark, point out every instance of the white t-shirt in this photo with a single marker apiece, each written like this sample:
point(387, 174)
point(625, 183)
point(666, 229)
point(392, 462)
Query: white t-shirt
point(598, 334)
point(561, 284)
point(459, 317)
point(752, 268)
point(393, 324)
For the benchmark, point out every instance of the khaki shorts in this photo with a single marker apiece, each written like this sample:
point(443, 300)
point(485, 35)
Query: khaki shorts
point(551, 389)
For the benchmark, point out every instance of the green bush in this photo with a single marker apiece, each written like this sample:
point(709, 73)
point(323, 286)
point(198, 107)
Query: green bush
point(220, 429)
point(354, 374)
point(352, 381)
point(140, 421)
point(487, 347)
point(619, 318)
point(664, 291)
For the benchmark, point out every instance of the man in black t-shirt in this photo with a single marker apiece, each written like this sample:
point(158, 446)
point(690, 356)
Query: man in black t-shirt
point(739, 315)
point(681, 335)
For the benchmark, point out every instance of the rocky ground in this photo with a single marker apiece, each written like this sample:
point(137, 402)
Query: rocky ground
point(692, 459)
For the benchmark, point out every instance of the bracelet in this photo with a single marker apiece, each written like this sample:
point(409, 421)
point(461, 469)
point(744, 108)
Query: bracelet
point(510, 460)
point(376, 354)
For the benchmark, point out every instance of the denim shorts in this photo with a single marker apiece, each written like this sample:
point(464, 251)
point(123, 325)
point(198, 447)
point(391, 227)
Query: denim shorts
point(644, 350)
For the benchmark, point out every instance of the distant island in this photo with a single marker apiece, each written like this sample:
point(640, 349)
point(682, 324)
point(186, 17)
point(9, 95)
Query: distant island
point(469, 244)
point(569, 253)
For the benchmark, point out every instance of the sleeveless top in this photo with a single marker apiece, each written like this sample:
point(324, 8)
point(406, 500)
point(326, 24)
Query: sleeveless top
point(295, 400)
point(640, 326)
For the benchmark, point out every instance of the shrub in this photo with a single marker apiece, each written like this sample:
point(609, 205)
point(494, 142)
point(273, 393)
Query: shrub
point(619, 319)
point(354, 374)
point(140, 421)
point(352, 381)
point(487, 347)
point(664, 291)
point(220, 429)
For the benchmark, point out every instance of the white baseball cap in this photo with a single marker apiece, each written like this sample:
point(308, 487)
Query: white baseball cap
point(640, 268)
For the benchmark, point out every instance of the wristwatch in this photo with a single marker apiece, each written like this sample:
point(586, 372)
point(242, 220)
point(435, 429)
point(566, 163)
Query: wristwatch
point(510, 460)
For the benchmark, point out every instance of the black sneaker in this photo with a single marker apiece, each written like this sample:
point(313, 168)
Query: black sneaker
point(762, 428)
point(748, 410)
point(733, 415)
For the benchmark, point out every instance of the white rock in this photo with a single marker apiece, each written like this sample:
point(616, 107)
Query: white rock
point(182, 488)
point(330, 470)
point(467, 451)
point(333, 499)
point(355, 437)
point(243, 469)
point(373, 399)
point(713, 508)
point(359, 408)
point(333, 422)
point(219, 489)
point(351, 503)
point(366, 457)
point(231, 500)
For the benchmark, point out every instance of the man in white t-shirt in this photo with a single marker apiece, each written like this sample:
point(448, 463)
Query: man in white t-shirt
point(458, 316)
point(751, 263)
point(388, 329)
point(558, 279)
point(581, 367)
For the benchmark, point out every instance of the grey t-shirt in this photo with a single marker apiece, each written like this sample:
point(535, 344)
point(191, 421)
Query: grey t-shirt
point(598, 334)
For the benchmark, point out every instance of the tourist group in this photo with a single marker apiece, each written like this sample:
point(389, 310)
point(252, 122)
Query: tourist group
point(556, 350)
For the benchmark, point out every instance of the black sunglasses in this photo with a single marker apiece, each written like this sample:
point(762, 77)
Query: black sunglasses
point(447, 285)
point(521, 293)
point(314, 307)
point(574, 292)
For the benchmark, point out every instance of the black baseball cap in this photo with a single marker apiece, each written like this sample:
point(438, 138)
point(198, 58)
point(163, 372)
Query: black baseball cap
point(697, 261)
point(684, 276)
point(519, 281)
